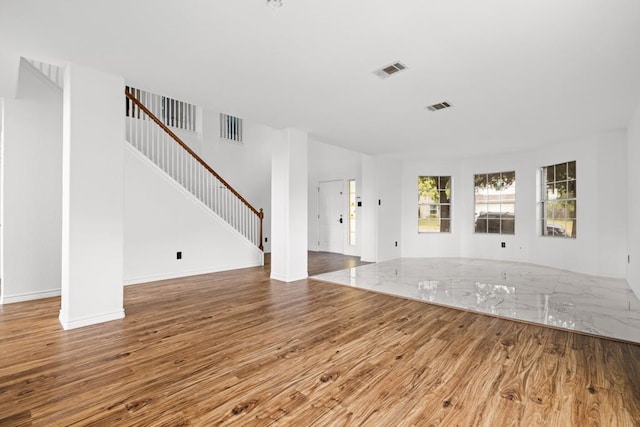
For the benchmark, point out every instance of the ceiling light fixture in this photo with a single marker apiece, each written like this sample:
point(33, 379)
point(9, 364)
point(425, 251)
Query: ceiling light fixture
point(274, 4)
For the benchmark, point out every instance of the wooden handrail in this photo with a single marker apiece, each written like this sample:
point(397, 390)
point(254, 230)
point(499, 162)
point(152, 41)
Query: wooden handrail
point(259, 214)
point(189, 150)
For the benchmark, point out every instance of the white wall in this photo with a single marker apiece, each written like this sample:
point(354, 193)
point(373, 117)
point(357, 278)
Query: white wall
point(10, 66)
point(389, 209)
point(92, 197)
point(331, 163)
point(161, 218)
point(416, 244)
point(369, 211)
point(31, 189)
point(612, 215)
point(381, 208)
point(518, 246)
point(601, 240)
point(633, 197)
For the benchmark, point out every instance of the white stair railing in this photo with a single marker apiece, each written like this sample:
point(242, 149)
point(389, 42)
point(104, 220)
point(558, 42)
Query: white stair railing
point(52, 72)
point(172, 112)
point(158, 143)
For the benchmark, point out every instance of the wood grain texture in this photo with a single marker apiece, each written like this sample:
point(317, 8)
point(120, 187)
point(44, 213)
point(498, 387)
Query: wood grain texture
point(236, 348)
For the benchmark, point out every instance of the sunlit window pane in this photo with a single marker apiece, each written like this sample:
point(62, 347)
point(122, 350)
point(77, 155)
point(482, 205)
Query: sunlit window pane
point(352, 212)
point(434, 204)
point(495, 201)
point(559, 205)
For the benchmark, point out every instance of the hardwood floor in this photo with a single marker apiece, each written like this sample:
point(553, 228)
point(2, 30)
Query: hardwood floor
point(236, 348)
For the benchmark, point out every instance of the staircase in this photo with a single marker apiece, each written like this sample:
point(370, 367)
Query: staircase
point(156, 141)
point(149, 135)
point(52, 73)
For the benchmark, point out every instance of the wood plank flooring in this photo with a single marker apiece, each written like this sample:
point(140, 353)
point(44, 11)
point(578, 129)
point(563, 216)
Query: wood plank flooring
point(236, 348)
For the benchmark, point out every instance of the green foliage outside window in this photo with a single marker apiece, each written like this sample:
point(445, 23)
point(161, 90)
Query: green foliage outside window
point(434, 204)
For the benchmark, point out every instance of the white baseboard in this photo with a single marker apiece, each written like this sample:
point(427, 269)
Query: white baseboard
point(91, 320)
point(176, 275)
point(289, 277)
point(28, 296)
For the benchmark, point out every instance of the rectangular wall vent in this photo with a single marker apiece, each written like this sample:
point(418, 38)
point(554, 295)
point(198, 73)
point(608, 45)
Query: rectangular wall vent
point(390, 69)
point(439, 106)
point(230, 127)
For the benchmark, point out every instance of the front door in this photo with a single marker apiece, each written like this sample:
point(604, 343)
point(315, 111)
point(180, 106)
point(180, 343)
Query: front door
point(331, 220)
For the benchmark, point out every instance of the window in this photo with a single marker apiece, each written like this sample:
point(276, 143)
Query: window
point(558, 192)
point(495, 202)
point(230, 127)
point(352, 212)
point(434, 204)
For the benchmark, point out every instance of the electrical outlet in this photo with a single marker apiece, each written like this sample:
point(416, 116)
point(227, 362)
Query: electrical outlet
point(266, 239)
point(396, 244)
point(179, 255)
point(503, 244)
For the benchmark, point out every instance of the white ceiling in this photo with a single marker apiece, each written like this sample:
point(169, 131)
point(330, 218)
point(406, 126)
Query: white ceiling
point(519, 73)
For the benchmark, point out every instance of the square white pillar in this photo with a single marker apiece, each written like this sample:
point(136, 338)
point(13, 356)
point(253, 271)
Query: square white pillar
point(92, 197)
point(289, 204)
point(368, 233)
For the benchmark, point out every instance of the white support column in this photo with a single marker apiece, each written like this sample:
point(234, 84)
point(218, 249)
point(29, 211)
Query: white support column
point(368, 233)
point(289, 207)
point(92, 197)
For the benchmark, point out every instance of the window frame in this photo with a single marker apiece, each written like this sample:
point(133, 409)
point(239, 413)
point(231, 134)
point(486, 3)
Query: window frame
point(352, 213)
point(564, 195)
point(443, 185)
point(231, 128)
point(506, 220)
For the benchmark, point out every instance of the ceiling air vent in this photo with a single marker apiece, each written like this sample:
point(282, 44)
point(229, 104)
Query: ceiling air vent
point(390, 69)
point(439, 106)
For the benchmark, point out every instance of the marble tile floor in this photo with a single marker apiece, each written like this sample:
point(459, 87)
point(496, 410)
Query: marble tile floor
point(548, 296)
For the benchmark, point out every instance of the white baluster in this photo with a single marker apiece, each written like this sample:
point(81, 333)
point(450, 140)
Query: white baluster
point(149, 138)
